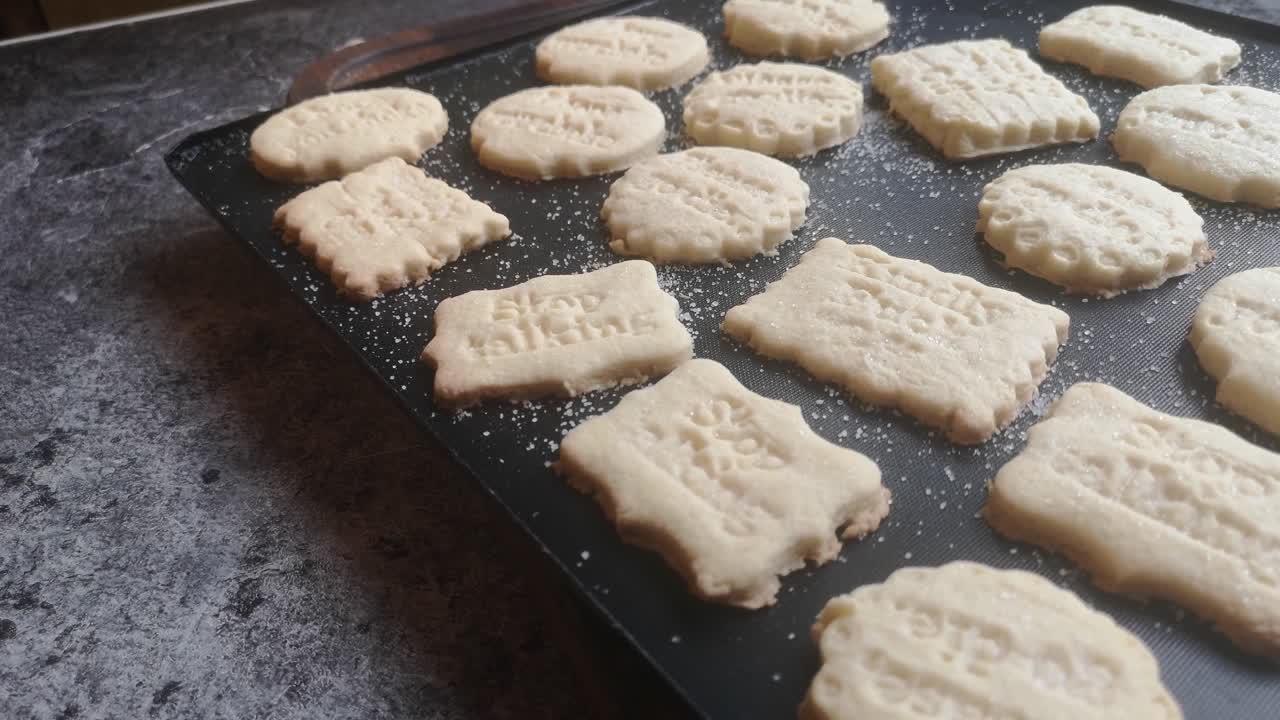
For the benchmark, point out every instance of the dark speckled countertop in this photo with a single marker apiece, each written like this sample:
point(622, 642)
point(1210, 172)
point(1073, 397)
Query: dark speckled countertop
point(206, 508)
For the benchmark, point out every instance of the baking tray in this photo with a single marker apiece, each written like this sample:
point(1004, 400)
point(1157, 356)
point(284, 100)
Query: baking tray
point(886, 187)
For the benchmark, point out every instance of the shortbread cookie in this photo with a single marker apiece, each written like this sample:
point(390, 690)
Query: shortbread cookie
point(944, 348)
point(968, 641)
point(556, 335)
point(732, 488)
point(333, 135)
point(1236, 335)
point(644, 53)
point(1091, 229)
point(805, 29)
point(1220, 142)
point(782, 109)
point(981, 97)
point(1153, 505)
point(567, 131)
point(703, 205)
point(385, 227)
point(1150, 50)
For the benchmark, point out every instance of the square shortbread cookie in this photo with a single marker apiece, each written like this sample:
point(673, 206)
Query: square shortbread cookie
point(981, 97)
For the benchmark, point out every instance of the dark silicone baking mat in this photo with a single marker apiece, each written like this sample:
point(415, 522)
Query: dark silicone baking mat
point(886, 187)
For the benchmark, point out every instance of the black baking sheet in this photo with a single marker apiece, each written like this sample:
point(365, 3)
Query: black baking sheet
point(886, 187)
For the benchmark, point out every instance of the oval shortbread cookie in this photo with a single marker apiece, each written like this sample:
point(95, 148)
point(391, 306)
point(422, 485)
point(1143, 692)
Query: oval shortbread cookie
point(386, 226)
point(640, 52)
point(805, 29)
point(968, 641)
point(556, 335)
point(1152, 505)
point(567, 131)
point(1236, 336)
point(1221, 142)
point(781, 109)
point(1090, 228)
point(1150, 50)
point(330, 136)
point(703, 205)
point(732, 488)
point(981, 97)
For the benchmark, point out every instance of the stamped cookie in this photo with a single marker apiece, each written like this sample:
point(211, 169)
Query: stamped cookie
point(1217, 141)
point(968, 641)
point(567, 131)
point(1150, 50)
point(703, 205)
point(732, 488)
point(1152, 505)
point(1236, 335)
point(943, 348)
point(332, 135)
point(644, 53)
point(1091, 229)
point(782, 109)
point(805, 29)
point(981, 97)
point(556, 335)
point(385, 227)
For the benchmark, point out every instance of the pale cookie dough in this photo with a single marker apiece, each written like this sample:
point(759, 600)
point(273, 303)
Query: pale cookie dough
point(644, 53)
point(710, 204)
point(556, 335)
point(965, 641)
point(385, 227)
point(805, 29)
point(981, 97)
point(1150, 50)
point(1091, 229)
point(1152, 505)
point(945, 349)
point(1236, 335)
point(783, 109)
point(1222, 142)
point(567, 131)
point(332, 135)
point(732, 488)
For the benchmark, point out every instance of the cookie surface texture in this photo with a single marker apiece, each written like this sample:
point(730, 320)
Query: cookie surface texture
point(1236, 336)
point(1150, 50)
point(708, 204)
point(567, 131)
point(805, 29)
point(1218, 141)
point(783, 109)
point(981, 97)
point(644, 53)
point(1152, 505)
point(732, 488)
point(1091, 229)
point(968, 641)
point(385, 227)
point(556, 335)
point(330, 136)
point(951, 352)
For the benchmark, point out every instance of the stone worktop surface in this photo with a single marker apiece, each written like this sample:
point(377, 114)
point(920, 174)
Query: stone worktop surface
point(206, 508)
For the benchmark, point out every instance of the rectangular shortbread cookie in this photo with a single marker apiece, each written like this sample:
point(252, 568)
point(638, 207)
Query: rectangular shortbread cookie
point(981, 97)
point(556, 335)
point(1152, 504)
point(732, 488)
point(944, 348)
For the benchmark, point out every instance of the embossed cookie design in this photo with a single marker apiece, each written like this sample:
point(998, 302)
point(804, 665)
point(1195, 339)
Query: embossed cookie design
point(556, 335)
point(644, 53)
point(805, 29)
point(949, 351)
point(968, 641)
point(1153, 505)
point(732, 488)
